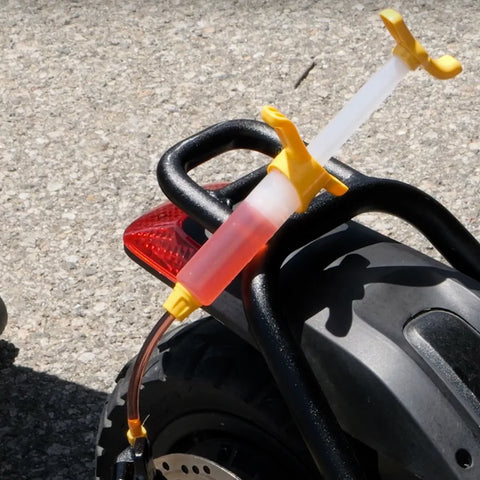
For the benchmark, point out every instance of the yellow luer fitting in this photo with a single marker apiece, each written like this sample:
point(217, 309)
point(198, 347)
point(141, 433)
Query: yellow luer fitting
point(181, 303)
point(410, 50)
point(295, 162)
point(135, 430)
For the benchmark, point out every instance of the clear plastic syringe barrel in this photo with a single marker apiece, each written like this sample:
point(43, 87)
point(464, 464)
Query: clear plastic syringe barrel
point(274, 199)
point(237, 241)
point(358, 110)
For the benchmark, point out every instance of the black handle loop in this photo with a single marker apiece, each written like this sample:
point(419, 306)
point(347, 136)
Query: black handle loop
point(201, 205)
point(366, 194)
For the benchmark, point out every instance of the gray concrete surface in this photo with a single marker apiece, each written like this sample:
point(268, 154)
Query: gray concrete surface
point(93, 92)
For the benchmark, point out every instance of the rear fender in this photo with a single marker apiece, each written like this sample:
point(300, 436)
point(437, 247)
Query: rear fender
point(393, 338)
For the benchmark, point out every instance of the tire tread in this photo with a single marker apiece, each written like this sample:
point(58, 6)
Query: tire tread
point(200, 355)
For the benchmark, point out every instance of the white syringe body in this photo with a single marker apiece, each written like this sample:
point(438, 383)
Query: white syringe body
point(275, 198)
point(359, 108)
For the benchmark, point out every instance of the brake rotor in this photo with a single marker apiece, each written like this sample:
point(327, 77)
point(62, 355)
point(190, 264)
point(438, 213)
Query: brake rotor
point(182, 466)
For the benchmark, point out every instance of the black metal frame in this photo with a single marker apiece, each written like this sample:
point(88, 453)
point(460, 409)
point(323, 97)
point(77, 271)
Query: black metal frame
point(210, 209)
point(322, 434)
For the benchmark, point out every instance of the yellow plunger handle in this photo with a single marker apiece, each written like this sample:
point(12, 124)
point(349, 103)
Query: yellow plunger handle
point(410, 50)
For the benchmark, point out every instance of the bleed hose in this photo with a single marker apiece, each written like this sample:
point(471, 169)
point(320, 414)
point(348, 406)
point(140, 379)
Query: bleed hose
point(136, 429)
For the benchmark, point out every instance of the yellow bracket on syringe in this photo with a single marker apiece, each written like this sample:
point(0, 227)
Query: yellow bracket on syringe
point(295, 162)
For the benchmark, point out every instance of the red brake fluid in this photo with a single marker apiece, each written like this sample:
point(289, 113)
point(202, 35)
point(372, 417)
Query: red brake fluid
point(226, 253)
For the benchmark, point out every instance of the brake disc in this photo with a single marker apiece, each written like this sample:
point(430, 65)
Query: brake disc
point(182, 466)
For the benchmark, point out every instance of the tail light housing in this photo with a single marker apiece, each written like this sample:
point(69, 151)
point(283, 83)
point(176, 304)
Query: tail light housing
point(158, 240)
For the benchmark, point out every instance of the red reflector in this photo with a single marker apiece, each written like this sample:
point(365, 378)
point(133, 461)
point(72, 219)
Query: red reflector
point(157, 238)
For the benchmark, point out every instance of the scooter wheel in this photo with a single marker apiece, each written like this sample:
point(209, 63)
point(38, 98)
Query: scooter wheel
point(207, 394)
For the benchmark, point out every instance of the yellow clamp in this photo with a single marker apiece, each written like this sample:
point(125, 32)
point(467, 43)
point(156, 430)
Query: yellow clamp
point(410, 50)
point(135, 430)
point(295, 162)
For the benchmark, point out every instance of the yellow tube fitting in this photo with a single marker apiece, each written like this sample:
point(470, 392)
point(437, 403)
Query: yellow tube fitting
point(181, 303)
point(135, 430)
point(295, 162)
point(410, 50)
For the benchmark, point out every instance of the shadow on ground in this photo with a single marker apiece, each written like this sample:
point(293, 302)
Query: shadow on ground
point(47, 425)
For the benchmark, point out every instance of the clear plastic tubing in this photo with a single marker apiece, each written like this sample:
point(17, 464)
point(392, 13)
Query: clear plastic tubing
point(274, 199)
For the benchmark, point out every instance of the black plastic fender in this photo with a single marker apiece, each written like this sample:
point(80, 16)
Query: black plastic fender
point(393, 338)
